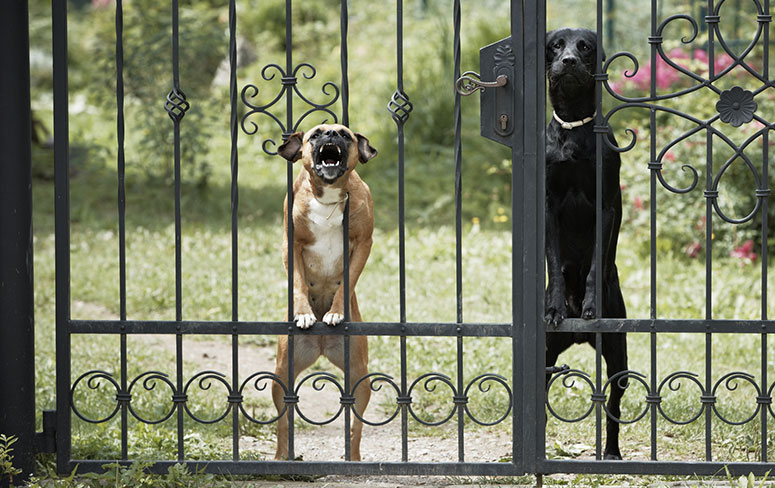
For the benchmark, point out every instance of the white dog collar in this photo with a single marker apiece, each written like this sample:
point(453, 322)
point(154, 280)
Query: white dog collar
point(575, 123)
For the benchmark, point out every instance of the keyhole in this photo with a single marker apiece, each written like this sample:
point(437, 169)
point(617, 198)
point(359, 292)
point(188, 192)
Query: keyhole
point(504, 120)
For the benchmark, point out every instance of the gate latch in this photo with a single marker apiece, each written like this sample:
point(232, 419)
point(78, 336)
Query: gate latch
point(496, 62)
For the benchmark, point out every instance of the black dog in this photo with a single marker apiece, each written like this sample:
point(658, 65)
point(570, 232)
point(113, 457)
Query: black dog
point(570, 212)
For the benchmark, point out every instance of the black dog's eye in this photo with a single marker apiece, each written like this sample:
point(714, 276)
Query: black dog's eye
point(557, 45)
point(583, 46)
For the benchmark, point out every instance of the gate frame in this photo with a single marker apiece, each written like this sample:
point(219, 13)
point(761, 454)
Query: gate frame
point(527, 331)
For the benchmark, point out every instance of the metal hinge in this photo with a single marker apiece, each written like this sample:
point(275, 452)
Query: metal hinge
point(46, 441)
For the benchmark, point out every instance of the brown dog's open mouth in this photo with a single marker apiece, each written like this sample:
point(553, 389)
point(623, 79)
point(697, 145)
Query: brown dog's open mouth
point(330, 155)
point(330, 162)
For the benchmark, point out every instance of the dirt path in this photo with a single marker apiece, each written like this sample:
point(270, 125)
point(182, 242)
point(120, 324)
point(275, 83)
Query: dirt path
point(326, 442)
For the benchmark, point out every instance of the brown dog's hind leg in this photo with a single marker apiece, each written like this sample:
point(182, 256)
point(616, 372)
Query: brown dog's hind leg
point(303, 357)
point(359, 360)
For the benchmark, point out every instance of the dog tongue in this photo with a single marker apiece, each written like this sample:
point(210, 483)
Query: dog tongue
point(330, 162)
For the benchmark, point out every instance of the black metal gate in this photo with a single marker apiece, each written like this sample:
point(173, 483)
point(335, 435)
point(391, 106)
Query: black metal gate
point(522, 57)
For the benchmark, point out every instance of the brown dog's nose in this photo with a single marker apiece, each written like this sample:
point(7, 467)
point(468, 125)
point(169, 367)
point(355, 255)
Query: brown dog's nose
point(330, 133)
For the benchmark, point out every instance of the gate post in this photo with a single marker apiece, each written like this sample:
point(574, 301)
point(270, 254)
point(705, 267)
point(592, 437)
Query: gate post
point(17, 338)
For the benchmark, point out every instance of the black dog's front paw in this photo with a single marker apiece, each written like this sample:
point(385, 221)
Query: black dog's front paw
point(588, 310)
point(555, 314)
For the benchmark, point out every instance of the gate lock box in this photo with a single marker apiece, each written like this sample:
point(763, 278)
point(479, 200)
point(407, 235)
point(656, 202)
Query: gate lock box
point(497, 63)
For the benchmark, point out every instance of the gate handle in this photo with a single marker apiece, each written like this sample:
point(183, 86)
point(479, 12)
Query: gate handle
point(472, 81)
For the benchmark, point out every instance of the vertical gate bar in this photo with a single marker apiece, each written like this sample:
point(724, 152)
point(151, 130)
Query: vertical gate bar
point(530, 157)
point(121, 214)
point(234, 223)
point(765, 183)
point(653, 225)
point(178, 247)
point(540, 198)
point(521, 451)
point(401, 228)
point(62, 230)
point(289, 185)
point(598, 257)
point(343, 20)
point(346, 338)
point(343, 28)
point(458, 230)
point(17, 288)
point(709, 254)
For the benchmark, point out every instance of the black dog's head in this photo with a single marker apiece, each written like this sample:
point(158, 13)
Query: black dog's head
point(571, 55)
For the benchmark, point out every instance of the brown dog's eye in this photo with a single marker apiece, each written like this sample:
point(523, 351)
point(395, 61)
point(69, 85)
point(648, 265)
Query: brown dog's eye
point(344, 134)
point(314, 135)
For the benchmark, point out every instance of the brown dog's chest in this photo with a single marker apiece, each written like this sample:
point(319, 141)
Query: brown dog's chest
point(323, 263)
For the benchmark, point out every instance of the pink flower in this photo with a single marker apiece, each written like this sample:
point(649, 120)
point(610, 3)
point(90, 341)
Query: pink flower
point(670, 156)
point(677, 53)
point(744, 251)
point(722, 62)
point(693, 249)
point(638, 203)
point(700, 55)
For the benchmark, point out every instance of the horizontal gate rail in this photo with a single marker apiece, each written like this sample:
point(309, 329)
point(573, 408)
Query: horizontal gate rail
point(188, 327)
point(317, 468)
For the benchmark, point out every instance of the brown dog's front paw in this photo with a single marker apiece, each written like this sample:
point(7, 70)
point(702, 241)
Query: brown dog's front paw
point(304, 320)
point(333, 318)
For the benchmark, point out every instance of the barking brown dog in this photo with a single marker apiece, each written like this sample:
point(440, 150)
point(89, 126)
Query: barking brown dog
point(330, 154)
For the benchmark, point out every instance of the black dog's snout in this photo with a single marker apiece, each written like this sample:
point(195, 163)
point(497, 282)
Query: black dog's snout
point(570, 60)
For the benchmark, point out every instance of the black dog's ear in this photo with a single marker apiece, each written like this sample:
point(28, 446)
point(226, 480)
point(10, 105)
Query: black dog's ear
point(365, 151)
point(291, 149)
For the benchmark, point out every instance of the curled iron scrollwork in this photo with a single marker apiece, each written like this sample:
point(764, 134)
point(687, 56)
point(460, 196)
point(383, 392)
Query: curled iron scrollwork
point(289, 83)
point(730, 381)
point(735, 106)
point(260, 381)
point(319, 381)
point(621, 379)
point(673, 382)
point(569, 377)
point(376, 380)
point(205, 379)
point(93, 382)
point(483, 383)
point(429, 382)
point(149, 381)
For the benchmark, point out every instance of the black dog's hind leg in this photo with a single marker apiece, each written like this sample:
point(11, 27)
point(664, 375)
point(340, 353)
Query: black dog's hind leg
point(615, 354)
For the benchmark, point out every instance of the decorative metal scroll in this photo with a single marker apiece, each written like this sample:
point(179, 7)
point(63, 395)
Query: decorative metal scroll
point(289, 88)
point(235, 399)
point(735, 106)
point(707, 399)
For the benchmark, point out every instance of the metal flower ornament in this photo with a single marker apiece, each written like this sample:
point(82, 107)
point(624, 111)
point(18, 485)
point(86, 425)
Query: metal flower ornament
point(736, 106)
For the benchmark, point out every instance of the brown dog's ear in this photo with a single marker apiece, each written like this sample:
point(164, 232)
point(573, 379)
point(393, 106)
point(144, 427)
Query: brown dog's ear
point(365, 151)
point(291, 149)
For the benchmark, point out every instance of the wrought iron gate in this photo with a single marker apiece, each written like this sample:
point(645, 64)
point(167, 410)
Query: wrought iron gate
point(524, 100)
